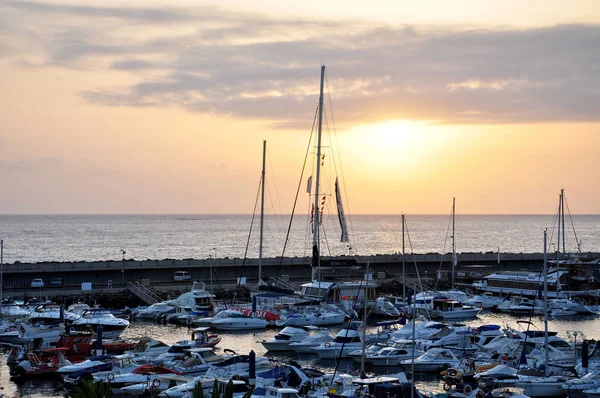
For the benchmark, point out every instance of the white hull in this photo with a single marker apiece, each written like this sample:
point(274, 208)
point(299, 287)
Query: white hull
point(336, 351)
point(461, 314)
point(538, 387)
point(239, 324)
point(277, 345)
point(311, 320)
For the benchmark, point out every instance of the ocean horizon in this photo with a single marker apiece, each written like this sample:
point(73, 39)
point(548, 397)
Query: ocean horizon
point(60, 237)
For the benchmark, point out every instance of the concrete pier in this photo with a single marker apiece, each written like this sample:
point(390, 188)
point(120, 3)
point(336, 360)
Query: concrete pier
point(109, 275)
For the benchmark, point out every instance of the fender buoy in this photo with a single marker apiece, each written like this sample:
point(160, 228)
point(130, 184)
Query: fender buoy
point(156, 383)
point(110, 376)
point(467, 389)
point(75, 348)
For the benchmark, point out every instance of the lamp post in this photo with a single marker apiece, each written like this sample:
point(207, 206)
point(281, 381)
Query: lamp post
point(211, 269)
point(123, 268)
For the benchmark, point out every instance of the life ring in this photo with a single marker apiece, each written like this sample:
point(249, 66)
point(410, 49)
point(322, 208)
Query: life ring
point(110, 376)
point(156, 383)
point(467, 389)
point(480, 394)
point(327, 345)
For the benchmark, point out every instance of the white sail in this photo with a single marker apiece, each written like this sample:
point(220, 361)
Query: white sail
point(341, 215)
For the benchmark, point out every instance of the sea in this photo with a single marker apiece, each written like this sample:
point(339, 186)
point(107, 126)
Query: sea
point(38, 238)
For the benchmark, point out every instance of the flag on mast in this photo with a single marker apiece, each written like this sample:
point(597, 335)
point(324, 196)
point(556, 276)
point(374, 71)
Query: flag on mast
point(341, 216)
point(309, 185)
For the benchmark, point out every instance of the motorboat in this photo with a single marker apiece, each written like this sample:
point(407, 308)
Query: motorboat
point(237, 364)
point(198, 299)
point(155, 311)
point(433, 360)
point(383, 307)
point(535, 386)
point(141, 374)
point(316, 337)
point(347, 340)
point(207, 321)
point(236, 321)
point(89, 366)
point(485, 301)
point(575, 388)
point(282, 340)
point(387, 356)
point(10, 309)
point(447, 309)
point(197, 361)
point(124, 363)
point(592, 393)
point(321, 316)
point(147, 347)
point(94, 317)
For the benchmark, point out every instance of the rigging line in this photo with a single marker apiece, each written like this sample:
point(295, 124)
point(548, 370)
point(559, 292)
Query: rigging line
point(444, 250)
point(251, 226)
point(287, 236)
point(337, 147)
point(577, 242)
point(339, 157)
point(556, 220)
point(416, 269)
point(276, 191)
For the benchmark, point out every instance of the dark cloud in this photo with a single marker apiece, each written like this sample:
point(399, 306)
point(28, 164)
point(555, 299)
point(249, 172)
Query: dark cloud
point(255, 67)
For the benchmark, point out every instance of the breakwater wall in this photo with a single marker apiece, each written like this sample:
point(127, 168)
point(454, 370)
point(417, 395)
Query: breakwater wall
point(225, 271)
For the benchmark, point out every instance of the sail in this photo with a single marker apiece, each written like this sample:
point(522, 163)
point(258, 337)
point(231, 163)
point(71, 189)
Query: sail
point(341, 216)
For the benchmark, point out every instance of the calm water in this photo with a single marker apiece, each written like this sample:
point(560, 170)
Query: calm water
point(34, 238)
point(242, 343)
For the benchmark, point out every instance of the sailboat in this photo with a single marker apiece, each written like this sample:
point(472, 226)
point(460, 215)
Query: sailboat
point(546, 386)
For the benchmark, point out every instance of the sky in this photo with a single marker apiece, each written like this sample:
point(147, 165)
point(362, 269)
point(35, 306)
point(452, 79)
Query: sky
point(159, 107)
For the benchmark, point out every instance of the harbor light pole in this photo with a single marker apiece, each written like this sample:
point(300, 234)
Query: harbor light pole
point(123, 268)
point(211, 269)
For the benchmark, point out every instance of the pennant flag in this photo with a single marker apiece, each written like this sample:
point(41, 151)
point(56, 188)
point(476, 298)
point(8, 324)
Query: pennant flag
point(312, 214)
point(341, 216)
point(309, 185)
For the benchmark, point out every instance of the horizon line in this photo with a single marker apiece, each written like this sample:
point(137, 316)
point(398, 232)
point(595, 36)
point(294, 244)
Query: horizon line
point(281, 214)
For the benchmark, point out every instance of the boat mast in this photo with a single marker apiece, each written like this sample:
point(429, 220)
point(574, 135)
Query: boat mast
point(316, 262)
point(262, 214)
point(453, 244)
point(562, 205)
point(559, 226)
point(546, 302)
point(403, 265)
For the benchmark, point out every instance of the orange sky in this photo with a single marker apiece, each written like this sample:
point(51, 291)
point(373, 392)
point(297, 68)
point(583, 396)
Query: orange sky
point(162, 107)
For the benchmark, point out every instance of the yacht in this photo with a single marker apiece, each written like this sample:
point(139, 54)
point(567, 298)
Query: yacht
point(316, 337)
point(94, 317)
point(236, 321)
point(10, 309)
point(432, 361)
point(199, 299)
point(282, 340)
point(310, 316)
point(156, 310)
point(451, 309)
point(347, 340)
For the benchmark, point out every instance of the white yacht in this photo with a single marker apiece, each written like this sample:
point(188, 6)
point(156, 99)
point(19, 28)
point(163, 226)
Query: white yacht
point(155, 310)
point(199, 299)
point(451, 309)
point(94, 317)
point(282, 340)
point(236, 321)
point(347, 340)
point(316, 337)
point(433, 360)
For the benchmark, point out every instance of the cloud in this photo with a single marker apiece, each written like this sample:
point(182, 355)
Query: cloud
point(258, 67)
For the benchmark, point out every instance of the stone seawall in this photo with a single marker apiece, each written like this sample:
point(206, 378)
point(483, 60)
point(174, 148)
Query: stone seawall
point(226, 270)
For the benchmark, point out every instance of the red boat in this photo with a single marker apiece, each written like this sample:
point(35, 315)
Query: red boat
point(118, 346)
point(203, 339)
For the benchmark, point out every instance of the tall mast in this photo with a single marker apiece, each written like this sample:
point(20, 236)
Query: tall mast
point(403, 263)
point(562, 205)
point(453, 243)
point(546, 302)
point(262, 214)
point(558, 235)
point(316, 263)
